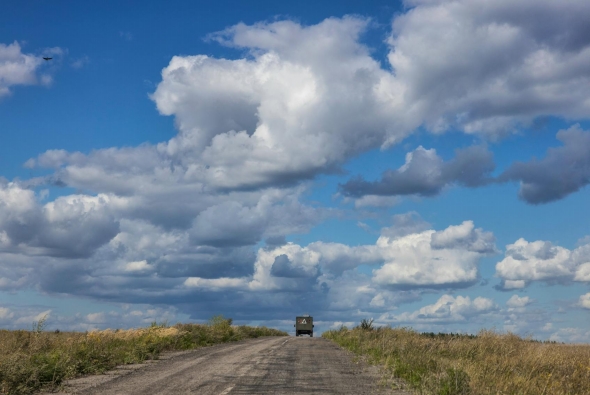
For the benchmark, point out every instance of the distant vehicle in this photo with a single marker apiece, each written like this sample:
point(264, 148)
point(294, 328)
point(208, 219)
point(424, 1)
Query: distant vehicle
point(304, 325)
point(47, 58)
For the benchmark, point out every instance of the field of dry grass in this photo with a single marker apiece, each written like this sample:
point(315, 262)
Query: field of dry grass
point(489, 363)
point(32, 360)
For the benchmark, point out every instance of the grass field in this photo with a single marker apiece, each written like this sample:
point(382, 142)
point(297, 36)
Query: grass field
point(32, 360)
point(489, 363)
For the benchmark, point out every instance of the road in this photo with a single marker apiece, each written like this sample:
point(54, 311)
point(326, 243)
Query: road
point(270, 365)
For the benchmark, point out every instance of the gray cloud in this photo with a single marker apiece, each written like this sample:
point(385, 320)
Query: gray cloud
point(497, 66)
point(425, 174)
point(564, 170)
point(282, 267)
point(405, 224)
point(73, 226)
point(234, 224)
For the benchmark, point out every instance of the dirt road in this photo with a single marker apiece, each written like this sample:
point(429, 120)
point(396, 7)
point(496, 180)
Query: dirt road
point(271, 365)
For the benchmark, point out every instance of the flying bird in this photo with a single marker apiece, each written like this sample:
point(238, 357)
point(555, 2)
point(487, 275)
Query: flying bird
point(47, 58)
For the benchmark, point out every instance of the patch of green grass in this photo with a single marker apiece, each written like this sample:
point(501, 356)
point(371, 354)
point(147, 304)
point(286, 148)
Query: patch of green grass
point(34, 360)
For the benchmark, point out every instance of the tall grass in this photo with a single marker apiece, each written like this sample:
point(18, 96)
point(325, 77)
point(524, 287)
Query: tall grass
point(489, 363)
point(34, 360)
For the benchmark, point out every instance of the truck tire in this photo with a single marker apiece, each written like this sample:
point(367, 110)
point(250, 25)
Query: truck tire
point(311, 334)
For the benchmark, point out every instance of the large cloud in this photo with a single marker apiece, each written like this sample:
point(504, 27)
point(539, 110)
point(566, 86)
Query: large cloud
point(307, 98)
point(483, 66)
point(563, 171)
point(542, 261)
point(427, 259)
point(233, 224)
point(434, 259)
point(310, 98)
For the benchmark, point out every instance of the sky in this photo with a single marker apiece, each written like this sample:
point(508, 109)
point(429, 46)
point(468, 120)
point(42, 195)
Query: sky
point(422, 163)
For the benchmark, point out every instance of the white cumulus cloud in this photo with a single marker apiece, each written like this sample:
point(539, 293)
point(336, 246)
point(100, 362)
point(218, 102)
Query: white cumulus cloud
point(17, 68)
point(542, 261)
point(585, 301)
point(447, 309)
point(516, 301)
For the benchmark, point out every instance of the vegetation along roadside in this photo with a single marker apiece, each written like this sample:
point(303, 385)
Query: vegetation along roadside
point(38, 359)
point(482, 364)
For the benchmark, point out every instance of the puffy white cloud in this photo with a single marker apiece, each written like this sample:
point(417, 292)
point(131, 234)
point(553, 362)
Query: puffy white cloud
point(301, 260)
point(516, 301)
point(96, 318)
point(17, 68)
point(464, 236)
point(434, 259)
point(137, 266)
point(583, 272)
point(542, 261)
point(308, 99)
point(447, 309)
point(5, 314)
point(408, 260)
point(585, 301)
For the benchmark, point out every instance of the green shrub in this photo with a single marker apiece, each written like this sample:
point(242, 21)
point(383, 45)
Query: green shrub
point(367, 324)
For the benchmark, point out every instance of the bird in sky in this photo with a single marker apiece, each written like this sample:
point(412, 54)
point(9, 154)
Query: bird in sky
point(47, 58)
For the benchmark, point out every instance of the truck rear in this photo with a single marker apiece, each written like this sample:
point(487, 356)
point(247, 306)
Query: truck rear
point(304, 325)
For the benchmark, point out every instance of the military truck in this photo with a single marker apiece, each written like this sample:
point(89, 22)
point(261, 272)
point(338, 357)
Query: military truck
point(304, 325)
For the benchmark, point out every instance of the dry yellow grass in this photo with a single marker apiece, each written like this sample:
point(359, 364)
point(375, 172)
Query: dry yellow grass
point(135, 333)
point(486, 364)
point(31, 360)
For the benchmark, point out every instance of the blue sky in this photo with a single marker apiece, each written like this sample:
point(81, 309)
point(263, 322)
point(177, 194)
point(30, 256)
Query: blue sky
point(422, 163)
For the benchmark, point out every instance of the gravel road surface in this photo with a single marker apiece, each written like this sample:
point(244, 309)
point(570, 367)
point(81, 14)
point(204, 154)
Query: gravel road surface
point(270, 365)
